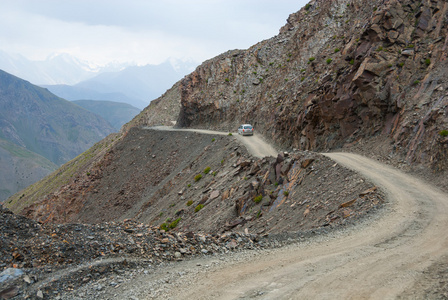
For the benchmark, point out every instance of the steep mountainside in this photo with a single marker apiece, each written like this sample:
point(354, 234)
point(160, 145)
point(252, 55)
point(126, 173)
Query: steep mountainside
point(34, 118)
point(338, 74)
point(366, 76)
point(116, 113)
point(35, 124)
point(20, 168)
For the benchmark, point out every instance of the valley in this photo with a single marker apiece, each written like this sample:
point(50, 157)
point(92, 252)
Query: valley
point(340, 193)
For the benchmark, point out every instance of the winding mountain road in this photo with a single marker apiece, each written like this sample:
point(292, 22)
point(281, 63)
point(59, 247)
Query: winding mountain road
point(379, 259)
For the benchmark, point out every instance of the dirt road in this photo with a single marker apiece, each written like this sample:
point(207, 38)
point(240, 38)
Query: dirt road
point(254, 144)
point(378, 260)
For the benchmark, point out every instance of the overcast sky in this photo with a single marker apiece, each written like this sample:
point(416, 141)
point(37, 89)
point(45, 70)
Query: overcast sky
point(140, 31)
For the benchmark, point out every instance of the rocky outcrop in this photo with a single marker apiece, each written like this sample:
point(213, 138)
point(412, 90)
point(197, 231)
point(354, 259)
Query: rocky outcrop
point(338, 72)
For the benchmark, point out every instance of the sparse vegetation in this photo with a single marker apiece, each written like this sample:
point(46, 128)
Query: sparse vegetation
point(443, 133)
point(197, 177)
point(227, 80)
point(307, 7)
point(427, 61)
point(258, 199)
point(311, 59)
point(336, 50)
point(165, 226)
point(401, 64)
point(285, 193)
point(329, 61)
point(174, 223)
point(416, 82)
point(189, 202)
point(199, 207)
point(207, 170)
point(352, 61)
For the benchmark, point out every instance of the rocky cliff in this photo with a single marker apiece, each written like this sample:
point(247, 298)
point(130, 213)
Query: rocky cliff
point(339, 73)
point(368, 76)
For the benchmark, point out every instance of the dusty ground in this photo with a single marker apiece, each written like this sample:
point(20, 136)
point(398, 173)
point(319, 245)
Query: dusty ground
point(335, 245)
point(384, 258)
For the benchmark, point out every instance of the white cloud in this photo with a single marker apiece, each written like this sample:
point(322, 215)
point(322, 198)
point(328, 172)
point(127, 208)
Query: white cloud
point(141, 31)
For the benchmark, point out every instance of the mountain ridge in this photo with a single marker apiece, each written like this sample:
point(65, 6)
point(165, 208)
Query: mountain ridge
point(37, 121)
point(339, 75)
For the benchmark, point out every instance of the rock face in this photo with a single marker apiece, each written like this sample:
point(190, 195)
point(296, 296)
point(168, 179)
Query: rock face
point(339, 72)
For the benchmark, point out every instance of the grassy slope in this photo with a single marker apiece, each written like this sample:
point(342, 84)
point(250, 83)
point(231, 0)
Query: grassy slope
point(61, 176)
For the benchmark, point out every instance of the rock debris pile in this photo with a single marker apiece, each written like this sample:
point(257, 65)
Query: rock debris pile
point(30, 250)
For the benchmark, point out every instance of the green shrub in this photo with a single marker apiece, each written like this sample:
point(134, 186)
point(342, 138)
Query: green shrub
point(307, 7)
point(230, 134)
point(401, 64)
point(197, 177)
point(174, 223)
point(190, 202)
point(207, 170)
point(311, 59)
point(189, 185)
point(258, 199)
point(199, 207)
point(416, 82)
point(410, 46)
point(213, 139)
point(227, 79)
point(164, 226)
point(380, 48)
point(336, 50)
point(352, 61)
point(329, 61)
point(222, 161)
point(427, 61)
point(443, 133)
point(302, 79)
point(286, 193)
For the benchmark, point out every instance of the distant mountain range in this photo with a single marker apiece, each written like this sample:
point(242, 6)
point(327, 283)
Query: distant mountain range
point(74, 79)
point(56, 69)
point(36, 123)
point(116, 113)
point(136, 85)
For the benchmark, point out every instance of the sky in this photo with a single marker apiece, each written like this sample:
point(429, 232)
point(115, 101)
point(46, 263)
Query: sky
point(138, 31)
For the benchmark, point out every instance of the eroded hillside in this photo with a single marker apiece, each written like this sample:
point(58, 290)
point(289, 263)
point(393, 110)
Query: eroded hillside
point(338, 74)
point(365, 76)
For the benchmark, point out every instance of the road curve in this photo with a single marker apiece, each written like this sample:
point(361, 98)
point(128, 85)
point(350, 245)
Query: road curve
point(378, 260)
point(254, 144)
